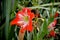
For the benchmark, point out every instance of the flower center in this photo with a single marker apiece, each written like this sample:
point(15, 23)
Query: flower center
point(25, 18)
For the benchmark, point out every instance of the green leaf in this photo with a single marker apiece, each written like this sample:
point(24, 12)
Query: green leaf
point(44, 30)
point(7, 10)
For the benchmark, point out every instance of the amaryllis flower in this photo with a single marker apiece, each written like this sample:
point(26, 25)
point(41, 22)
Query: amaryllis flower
point(51, 28)
point(24, 19)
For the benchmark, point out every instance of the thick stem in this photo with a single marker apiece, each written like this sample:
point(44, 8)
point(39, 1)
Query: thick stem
point(21, 35)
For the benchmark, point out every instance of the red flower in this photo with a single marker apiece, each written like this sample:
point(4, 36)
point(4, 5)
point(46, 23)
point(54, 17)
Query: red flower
point(51, 28)
point(56, 15)
point(52, 33)
point(24, 20)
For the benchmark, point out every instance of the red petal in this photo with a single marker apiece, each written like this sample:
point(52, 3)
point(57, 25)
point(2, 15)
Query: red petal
point(14, 22)
point(30, 28)
point(55, 21)
point(56, 15)
point(52, 33)
point(19, 12)
point(26, 10)
point(31, 15)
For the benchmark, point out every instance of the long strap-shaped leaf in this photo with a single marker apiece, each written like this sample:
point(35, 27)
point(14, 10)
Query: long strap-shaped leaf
point(6, 11)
